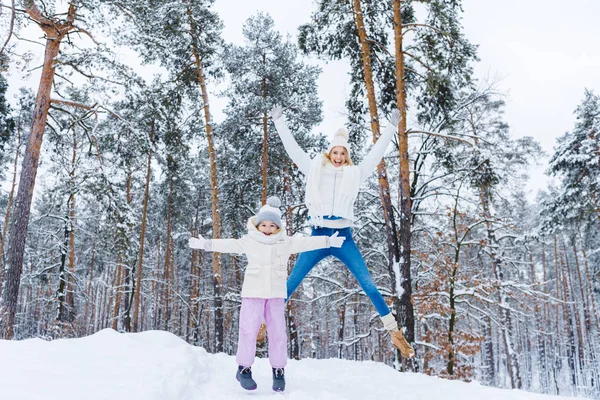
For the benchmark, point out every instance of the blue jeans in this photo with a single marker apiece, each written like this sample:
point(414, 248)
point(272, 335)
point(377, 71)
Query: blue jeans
point(349, 255)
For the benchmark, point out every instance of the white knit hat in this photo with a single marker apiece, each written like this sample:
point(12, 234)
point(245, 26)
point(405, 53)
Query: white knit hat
point(340, 138)
point(270, 212)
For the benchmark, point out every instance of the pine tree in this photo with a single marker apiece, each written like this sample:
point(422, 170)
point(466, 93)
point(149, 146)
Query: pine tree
point(576, 161)
point(264, 72)
point(55, 29)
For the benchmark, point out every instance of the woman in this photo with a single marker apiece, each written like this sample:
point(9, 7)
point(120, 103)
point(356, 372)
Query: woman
point(331, 189)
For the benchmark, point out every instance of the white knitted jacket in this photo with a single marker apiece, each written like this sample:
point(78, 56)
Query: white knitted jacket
point(266, 273)
point(335, 199)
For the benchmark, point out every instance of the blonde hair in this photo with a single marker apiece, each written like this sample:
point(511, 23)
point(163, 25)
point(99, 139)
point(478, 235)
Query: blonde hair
point(348, 159)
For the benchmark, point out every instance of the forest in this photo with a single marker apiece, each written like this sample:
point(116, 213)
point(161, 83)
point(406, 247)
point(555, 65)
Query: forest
point(108, 169)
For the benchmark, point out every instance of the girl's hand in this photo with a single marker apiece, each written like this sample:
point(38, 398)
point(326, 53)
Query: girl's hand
point(335, 241)
point(197, 243)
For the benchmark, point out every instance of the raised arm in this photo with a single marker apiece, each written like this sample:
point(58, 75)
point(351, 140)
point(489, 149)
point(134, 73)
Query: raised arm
point(216, 245)
point(369, 163)
point(298, 156)
point(298, 244)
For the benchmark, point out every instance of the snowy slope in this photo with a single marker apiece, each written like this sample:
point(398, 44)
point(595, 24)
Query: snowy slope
point(158, 365)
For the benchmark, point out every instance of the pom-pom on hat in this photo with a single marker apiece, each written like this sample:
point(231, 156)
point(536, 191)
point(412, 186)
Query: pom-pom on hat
point(340, 138)
point(270, 212)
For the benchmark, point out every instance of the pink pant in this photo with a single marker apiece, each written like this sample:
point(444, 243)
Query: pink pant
point(251, 315)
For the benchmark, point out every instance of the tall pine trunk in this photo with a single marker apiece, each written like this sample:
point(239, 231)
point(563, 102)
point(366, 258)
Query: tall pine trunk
point(214, 188)
point(55, 31)
point(265, 146)
point(137, 286)
point(384, 188)
point(404, 303)
point(128, 284)
point(168, 284)
point(10, 203)
point(71, 221)
point(291, 305)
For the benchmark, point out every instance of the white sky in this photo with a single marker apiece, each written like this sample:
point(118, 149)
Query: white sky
point(545, 53)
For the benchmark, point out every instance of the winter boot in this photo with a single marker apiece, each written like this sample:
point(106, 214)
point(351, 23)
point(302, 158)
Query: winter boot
point(278, 380)
point(401, 344)
point(398, 340)
point(244, 377)
point(262, 333)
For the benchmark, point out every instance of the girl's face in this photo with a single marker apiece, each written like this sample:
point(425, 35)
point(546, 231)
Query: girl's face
point(267, 227)
point(337, 155)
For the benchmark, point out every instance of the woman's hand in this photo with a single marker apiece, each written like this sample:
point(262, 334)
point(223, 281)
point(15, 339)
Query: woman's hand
point(276, 112)
point(395, 117)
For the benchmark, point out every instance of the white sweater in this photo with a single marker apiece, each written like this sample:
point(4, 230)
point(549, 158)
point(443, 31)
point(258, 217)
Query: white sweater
point(334, 199)
point(266, 273)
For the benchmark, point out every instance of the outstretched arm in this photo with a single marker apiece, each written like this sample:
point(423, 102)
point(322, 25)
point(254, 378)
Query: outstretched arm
point(369, 163)
point(216, 245)
point(298, 156)
point(301, 243)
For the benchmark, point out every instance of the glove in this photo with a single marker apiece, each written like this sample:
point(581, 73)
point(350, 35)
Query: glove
point(395, 117)
point(335, 241)
point(197, 243)
point(276, 112)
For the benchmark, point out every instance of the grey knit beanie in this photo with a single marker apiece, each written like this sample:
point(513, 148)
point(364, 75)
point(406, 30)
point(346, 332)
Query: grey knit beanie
point(270, 212)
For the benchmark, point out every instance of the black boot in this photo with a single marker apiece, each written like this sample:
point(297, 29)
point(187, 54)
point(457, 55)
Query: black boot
point(278, 380)
point(244, 377)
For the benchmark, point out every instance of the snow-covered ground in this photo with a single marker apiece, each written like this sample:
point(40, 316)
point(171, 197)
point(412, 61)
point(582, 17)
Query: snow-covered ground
point(158, 365)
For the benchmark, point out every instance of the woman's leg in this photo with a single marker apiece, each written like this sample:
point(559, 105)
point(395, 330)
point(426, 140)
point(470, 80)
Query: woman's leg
point(251, 315)
point(276, 329)
point(306, 261)
point(350, 255)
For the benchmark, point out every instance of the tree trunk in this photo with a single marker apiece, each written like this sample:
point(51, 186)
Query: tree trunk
point(137, 287)
point(489, 352)
point(9, 204)
point(265, 147)
point(405, 309)
point(539, 336)
point(71, 222)
point(118, 283)
point(405, 314)
point(571, 347)
point(589, 280)
point(291, 305)
point(61, 293)
point(167, 282)
point(88, 294)
point(214, 188)
point(452, 321)
point(341, 326)
point(512, 359)
point(574, 309)
point(195, 279)
point(55, 31)
point(128, 271)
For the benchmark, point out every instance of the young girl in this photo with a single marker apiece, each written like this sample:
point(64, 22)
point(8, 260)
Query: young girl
point(268, 249)
point(332, 184)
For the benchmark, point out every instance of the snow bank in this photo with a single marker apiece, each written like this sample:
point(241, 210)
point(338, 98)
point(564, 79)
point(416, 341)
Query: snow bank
point(158, 365)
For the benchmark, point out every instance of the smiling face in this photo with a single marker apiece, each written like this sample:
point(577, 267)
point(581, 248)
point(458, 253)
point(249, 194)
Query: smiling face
point(267, 227)
point(338, 156)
